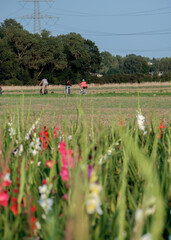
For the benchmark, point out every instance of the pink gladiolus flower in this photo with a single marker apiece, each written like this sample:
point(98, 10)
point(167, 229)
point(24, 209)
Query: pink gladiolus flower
point(6, 183)
point(90, 171)
point(67, 161)
point(44, 182)
point(64, 174)
point(4, 198)
point(65, 197)
point(62, 146)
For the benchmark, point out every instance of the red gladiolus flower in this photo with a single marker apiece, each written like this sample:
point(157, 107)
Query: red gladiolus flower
point(49, 163)
point(121, 123)
point(4, 198)
point(14, 209)
point(7, 170)
point(33, 221)
point(15, 190)
point(44, 137)
point(13, 199)
point(33, 209)
point(160, 130)
point(55, 133)
point(161, 126)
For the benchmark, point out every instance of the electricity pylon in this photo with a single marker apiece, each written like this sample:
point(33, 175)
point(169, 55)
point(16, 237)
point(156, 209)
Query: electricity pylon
point(37, 16)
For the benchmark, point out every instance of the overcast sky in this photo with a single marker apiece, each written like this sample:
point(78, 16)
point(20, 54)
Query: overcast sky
point(121, 27)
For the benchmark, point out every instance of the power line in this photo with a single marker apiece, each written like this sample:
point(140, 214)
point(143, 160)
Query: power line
point(37, 16)
point(151, 12)
point(164, 31)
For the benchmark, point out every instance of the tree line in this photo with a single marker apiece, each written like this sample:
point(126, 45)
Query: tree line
point(25, 58)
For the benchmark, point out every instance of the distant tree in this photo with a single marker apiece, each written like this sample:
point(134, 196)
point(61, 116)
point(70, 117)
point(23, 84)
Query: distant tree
point(9, 65)
point(82, 56)
point(135, 64)
point(109, 62)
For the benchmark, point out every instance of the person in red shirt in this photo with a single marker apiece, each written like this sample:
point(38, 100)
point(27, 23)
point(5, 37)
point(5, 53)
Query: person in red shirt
point(83, 86)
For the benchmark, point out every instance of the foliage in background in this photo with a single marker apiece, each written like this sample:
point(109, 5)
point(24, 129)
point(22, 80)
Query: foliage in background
point(26, 58)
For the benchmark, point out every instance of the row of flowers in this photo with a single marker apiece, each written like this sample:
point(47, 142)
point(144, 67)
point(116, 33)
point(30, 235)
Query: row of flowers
point(48, 160)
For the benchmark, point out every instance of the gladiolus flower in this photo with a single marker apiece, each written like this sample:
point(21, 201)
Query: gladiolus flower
point(49, 163)
point(33, 222)
point(44, 181)
point(4, 198)
point(160, 130)
point(93, 205)
point(66, 158)
point(15, 190)
point(64, 174)
point(13, 199)
point(161, 126)
point(55, 133)
point(65, 197)
point(44, 137)
point(33, 209)
point(90, 171)
point(14, 209)
point(121, 123)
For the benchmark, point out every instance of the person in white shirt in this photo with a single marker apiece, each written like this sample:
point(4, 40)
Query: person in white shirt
point(44, 84)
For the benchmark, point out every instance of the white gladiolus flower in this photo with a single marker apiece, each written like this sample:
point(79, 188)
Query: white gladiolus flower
point(139, 215)
point(146, 236)
point(20, 149)
point(93, 205)
point(45, 202)
point(101, 160)
point(32, 129)
point(11, 130)
point(34, 152)
point(140, 121)
point(7, 177)
point(44, 216)
point(150, 211)
point(38, 225)
point(43, 189)
point(70, 137)
point(15, 152)
point(34, 146)
point(151, 201)
point(95, 188)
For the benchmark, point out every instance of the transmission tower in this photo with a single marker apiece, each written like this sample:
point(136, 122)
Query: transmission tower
point(37, 16)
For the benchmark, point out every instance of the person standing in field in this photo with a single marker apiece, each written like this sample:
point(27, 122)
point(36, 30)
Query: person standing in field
point(0, 90)
point(44, 84)
point(68, 86)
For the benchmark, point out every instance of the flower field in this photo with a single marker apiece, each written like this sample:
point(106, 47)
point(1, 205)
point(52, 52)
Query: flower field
point(85, 181)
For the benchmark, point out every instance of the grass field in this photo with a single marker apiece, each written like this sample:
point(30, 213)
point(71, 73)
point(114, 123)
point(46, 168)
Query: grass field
point(109, 102)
